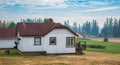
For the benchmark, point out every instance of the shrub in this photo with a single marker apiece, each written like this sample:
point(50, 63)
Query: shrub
point(96, 46)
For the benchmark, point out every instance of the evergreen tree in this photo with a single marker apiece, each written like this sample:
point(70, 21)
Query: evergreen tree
point(75, 27)
point(0, 23)
point(24, 20)
point(115, 27)
point(119, 28)
point(4, 23)
point(79, 29)
point(66, 23)
point(48, 20)
point(45, 20)
point(110, 27)
point(107, 30)
point(12, 25)
point(94, 28)
point(104, 31)
point(40, 20)
point(84, 29)
point(29, 20)
point(88, 26)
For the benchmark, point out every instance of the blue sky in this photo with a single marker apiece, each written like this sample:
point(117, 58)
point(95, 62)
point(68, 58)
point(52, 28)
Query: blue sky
point(60, 10)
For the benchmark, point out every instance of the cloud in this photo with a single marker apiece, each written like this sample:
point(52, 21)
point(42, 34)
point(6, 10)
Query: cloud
point(54, 3)
point(88, 3)
point(95, 3)
point(103, 9)
point(34, 3)
point(38, 6)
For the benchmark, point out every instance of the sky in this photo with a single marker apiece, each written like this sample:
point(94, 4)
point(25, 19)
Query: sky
point(78, 11)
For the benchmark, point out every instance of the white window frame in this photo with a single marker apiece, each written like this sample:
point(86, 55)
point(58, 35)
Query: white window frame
point(39, 41)
point(70, 41)
point(50, 41)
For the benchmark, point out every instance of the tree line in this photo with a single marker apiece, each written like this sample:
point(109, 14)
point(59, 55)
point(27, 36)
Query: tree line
point(12, 24)
point(88, 28)
point(111, 27)
point(39, 20)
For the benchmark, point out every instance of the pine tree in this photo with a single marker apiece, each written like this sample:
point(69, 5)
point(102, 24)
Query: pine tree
point(115, 28)
point(79, 29)
point(107, 30)
point(75, 27)
point(45, 20)
point(87, 28)
point(84, 29)
point(119, 28)
point(95, 28)
point(110, 27)
point(0, 23)
point(104, 31)
point(66, 23)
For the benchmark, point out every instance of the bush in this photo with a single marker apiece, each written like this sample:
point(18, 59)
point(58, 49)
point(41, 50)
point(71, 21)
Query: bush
point(96, 46)
point(84, 39)
point(105, 40)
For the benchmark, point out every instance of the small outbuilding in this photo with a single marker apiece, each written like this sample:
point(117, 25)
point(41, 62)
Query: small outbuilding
point(7, 38)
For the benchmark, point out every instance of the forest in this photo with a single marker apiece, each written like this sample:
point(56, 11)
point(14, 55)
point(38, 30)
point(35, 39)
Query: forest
point(111, 28)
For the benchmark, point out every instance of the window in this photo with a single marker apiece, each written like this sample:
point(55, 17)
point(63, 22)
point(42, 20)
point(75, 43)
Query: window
point(70, 42)
point(37, 41)
point(52, 40)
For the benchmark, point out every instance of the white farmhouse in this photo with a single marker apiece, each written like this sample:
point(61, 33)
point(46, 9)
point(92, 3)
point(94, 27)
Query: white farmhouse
point(7, 38)
point(49, 38)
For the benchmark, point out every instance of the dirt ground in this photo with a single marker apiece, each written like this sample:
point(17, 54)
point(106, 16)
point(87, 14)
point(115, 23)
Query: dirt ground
point(89, 58)
point(117, 40)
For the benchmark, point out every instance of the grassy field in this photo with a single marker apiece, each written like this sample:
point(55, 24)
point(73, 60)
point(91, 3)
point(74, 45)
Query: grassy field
point(114, 40)
point(110, 46)
point(89, 58)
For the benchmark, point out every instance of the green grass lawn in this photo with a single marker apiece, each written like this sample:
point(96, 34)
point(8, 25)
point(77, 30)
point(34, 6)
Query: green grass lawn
point(13, 52)
point(110, 47)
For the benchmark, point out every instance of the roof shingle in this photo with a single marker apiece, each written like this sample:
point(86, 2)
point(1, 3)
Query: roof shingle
point(7, 32)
